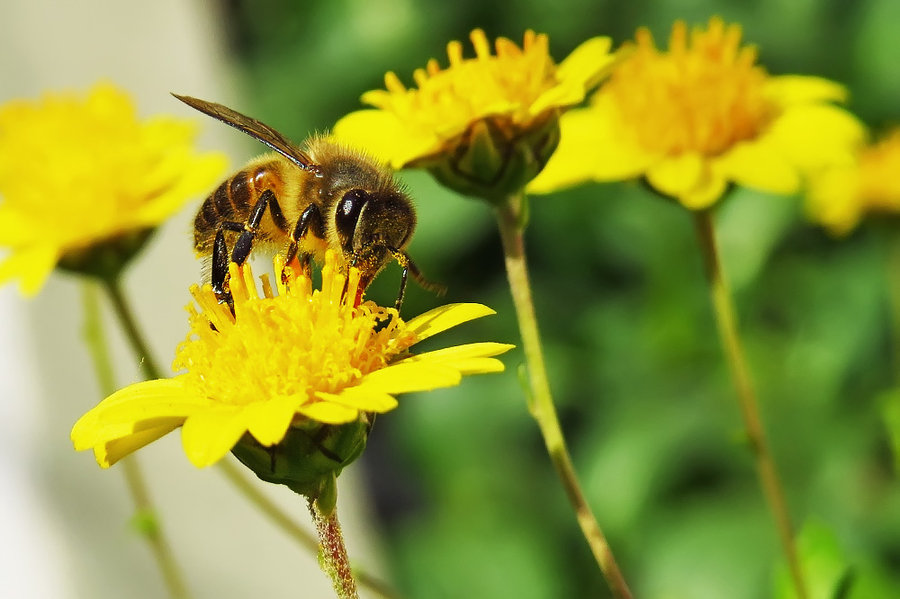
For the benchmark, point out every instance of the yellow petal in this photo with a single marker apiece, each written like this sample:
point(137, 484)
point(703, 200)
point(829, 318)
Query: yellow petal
point(364, 400)
point(268, 421)
point(445, 317)
point(803, 89)
point(591, 147)
point(813, 137)
point(708, 190)
point(408, 377)
point(382, 135)
point(458, 352)
point(677, 175)
point(114, 450)
point(207, 436)
point(127, 408)
point(758, 165)
point(328, 412)
point(32, 266)
point(588, 63)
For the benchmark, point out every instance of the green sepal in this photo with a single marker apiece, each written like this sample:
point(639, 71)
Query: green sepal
point(309, 458)
point(491, 163)
point(107, 258)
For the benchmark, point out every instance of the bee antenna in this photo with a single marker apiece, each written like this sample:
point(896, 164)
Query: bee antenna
point(409, 267)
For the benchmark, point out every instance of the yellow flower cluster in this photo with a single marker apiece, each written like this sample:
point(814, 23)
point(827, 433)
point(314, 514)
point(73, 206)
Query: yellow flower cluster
point(281, 360)
point(78, 172)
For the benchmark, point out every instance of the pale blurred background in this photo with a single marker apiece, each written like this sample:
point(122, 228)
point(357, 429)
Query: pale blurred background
point(64, 522)
point(458, 485)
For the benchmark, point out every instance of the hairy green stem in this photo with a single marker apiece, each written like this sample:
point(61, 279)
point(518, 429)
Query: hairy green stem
point(279, 517)
point(333, 553)
point(726, 321)
point(510, 219)
point(145, 514)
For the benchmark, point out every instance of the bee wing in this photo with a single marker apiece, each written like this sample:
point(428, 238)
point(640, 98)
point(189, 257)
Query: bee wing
point(255, 129)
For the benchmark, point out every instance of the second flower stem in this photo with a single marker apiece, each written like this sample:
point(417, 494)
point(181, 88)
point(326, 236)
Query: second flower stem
point(723, 307)
point(510, 220)
point(145, 514)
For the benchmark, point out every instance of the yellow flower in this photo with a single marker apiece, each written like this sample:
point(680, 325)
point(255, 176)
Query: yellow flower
point(76, 173)
point(489, 123)
point(840, 196)
point(701, 115)
point(281, 362)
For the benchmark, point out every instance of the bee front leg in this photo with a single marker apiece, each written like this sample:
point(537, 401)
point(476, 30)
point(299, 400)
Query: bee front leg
point(310, 222)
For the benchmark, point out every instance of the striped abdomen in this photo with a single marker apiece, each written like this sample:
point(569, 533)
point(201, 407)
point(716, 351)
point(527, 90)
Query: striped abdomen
point(234, 199)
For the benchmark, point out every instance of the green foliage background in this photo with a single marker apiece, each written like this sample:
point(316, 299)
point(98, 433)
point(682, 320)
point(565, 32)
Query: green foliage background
point(470, 505)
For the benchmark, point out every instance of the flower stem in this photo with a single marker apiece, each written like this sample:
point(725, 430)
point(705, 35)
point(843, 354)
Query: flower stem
point(333, 554)
point(145, 514)
point(511, 222)
point(139, 345)
point(293, 529)
point(726, 322)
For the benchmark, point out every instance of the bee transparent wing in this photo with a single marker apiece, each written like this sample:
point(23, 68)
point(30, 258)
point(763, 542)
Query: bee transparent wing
point(255, 129)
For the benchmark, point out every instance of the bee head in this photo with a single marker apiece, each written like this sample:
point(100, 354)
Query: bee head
point(371, 226)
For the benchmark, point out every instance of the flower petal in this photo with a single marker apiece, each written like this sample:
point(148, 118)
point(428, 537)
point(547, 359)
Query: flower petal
point(408, 377)
point(207, 436)
point(588, 63)
point(759, 165)
point(803, 89)
point(32, 266)
point(382, 135)
point(127, 410)
point(112, 451)
point(268, 421)
point(813, 137)
point(362, 399)
point(677, 175)
point(591, 147)
point(329, 412)
point(446, 317)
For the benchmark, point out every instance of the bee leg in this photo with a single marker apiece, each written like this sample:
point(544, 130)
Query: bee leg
point(220, 270)
point(311, 222)
point(248, 232)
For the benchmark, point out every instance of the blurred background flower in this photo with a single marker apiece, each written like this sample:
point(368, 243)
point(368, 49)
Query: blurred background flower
point(459, 482)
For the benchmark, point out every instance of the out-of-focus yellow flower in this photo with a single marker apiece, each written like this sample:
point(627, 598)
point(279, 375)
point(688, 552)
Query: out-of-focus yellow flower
point(701, 115)
point(297, 360)
point(484, 125)
point(840, 196)
point(77, 173)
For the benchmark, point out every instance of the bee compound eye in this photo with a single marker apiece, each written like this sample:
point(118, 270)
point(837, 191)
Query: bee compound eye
point(346, 216)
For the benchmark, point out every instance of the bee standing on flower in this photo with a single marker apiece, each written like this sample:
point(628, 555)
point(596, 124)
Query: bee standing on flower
point(323, 196)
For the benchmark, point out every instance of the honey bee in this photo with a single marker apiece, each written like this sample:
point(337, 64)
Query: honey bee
point(302, 202)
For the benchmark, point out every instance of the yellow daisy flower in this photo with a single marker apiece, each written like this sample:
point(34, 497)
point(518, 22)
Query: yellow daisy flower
point(701, 115)
point(295, 361)
point(78, 173)
point(484, 125)
point(840, 196)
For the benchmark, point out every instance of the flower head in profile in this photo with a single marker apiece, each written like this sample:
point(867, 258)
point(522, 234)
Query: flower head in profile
point(80, 173)
point(840, 196)
point(484, 125)
point(698, 116)
point(296, 360)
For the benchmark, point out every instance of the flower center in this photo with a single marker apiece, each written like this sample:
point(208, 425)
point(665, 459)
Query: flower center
point(292, 345)
point(472, 88)
point(703, 95)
